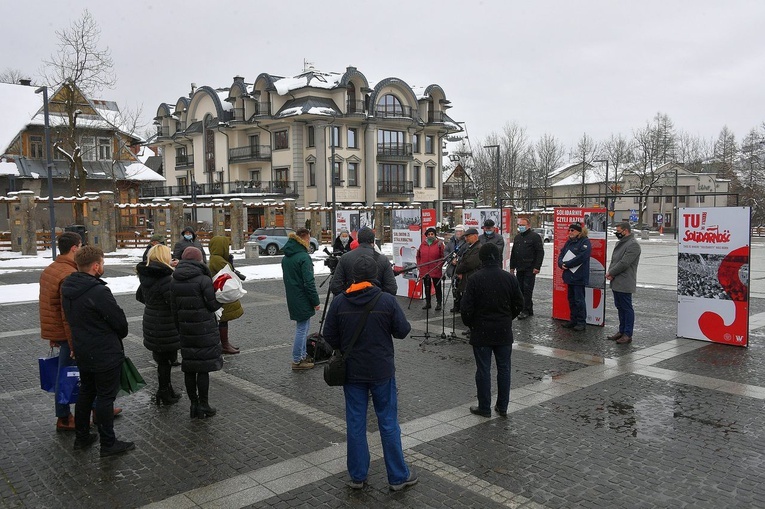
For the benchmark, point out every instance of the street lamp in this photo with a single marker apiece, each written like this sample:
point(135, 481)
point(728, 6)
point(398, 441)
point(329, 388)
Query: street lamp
point(499, 200)
point(606, 197)
point(49, 169)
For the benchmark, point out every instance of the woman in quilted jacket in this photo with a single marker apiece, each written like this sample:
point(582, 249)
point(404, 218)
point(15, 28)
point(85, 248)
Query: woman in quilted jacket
point(219, 258)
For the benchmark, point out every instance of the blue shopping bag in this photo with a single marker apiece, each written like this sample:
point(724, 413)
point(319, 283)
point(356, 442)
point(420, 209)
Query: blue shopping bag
point(48, 372)
point(68, 385)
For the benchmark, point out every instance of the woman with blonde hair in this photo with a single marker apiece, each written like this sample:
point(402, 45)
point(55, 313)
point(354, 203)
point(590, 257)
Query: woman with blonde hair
point(160, 334)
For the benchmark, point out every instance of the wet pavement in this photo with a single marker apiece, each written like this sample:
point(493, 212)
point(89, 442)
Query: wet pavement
point(662, 422)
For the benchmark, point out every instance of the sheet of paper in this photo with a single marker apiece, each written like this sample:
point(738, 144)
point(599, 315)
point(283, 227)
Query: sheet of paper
point(568, 256)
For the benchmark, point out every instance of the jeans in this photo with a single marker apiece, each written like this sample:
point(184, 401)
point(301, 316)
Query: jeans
point(623, 302)
point(102, 388)
point(577, 304)
point(298, 347)
point(386, 407)
point(62, 410)
point(482, 356)
point(526, 280)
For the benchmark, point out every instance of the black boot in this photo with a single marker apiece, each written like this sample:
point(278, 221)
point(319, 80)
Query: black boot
point(438, 306)
point(164, 394)
point(427, 304)
point(165, 397)
point(204, 409)
point(194, 411)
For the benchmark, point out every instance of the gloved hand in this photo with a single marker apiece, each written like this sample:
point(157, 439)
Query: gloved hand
point(240, 275)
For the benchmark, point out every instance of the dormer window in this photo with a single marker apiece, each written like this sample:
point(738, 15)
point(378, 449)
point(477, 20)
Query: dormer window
point(390, 106)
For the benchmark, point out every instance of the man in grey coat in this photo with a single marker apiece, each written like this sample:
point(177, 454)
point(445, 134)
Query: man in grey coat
point(343, 277)
point(622, 273)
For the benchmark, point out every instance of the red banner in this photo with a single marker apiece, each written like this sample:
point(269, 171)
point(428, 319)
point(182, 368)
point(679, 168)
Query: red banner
point(594, 220)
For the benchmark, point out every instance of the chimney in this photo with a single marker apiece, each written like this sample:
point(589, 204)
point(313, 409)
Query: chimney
point(193, 89)
point(238, 78)
point(27, 82)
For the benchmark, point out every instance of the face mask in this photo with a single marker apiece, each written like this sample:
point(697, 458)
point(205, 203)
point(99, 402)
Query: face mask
point(619, 235)
point(521, 229)
point(430, 240)
point(188, 237)
point(344, 240)
point(488, 233)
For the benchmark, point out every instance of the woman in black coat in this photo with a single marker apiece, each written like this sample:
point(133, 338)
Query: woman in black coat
point(194, 306)
point(160, 334)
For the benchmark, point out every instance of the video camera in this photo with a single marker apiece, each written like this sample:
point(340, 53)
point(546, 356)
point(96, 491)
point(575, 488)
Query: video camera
point(331, 261)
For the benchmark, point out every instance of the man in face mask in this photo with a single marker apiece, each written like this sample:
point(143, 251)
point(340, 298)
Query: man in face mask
point(342, 243)
point(526, 259)
point(622, 273)
point(188, 239)
point(492, 236)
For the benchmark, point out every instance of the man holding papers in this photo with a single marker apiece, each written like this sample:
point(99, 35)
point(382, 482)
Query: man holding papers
point(574, 259)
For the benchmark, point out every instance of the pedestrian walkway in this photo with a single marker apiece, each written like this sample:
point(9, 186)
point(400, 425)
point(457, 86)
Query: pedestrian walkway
point(663, 422)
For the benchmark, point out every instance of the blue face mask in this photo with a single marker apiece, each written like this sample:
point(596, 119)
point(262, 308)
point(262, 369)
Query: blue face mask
point(521, 228)
point(488, 233)
point(188, 237)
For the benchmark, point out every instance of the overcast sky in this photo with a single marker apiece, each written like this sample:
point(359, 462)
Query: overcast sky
point(561, 67)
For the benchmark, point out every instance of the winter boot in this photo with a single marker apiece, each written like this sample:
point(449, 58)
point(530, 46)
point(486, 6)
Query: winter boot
point(165, 397)
point(204, 409)
point(228, 348)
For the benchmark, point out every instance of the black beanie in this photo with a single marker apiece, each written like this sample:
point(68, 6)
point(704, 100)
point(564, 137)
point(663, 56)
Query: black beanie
point(489, 252)
point(365, 269)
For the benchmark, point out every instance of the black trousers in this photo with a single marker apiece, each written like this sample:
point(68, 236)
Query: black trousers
point(427, 281)
point(101, 387)
point(526, 280)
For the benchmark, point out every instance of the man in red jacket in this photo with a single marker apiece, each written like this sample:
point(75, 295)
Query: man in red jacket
point(53, 325)
point(430, 259)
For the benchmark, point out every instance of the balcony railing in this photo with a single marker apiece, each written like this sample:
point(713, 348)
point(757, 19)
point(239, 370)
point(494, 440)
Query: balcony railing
point(395, 188)
point(250, 153)
point(354, 107)
point(435, 116)
point(403, 111)
point(239, 114)
point(394, 151)
point(184, 161)
point(453, 191)
point(163, 131)
point(278, 188)
point(262, 109)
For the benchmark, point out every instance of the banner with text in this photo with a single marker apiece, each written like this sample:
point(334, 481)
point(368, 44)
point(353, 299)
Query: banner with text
point(353, 221)
point(474, 218)
point(713, 274)
point(595, 220)
point(407, 236)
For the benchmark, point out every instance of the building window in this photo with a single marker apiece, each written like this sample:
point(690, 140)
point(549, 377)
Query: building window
point(338, 173)
point(281, 177)
point(254, 178)
point(416, 143)
point(104, 149)
point(352, 133)
point(430, 173)
point(353, 174)
point(636, 199)
point(656, 199)
point(335, 136)
point(389, 106)
point(311, 136)
point(416, 176)
point(700, 199)
point(311, 174)
point(429, 145)
point(281, 140)
point(88, 149)
point(36, 147)
point(392, 176)
point(255, 144)
point(219, 176)
point(668, 199)
point(681, 199)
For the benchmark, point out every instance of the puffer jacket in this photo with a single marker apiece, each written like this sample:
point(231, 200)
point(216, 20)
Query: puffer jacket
point(98, 323)
point(159, 331)
point(372, 357)
point(468, 264)
point(218, 259)
point(53, 324)
point(580, 247)
point(299, 283)
point(428, 255)
point(183, 244)
point(194, 307)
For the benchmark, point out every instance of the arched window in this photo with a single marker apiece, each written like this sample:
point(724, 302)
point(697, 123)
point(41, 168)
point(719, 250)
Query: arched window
point(389, 106)
point(352, 106)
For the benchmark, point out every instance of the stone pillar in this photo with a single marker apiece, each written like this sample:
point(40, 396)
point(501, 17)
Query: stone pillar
point(24, 229)
point(175, 218)
point(316, 223)
point(15, 221)
point(237, 223)
point(218, 218)
point(370, 164)
point(290, 216)
point(108, 222)
point(270, 214)
point(93, 222)
point(161, 219)
point(458, 214)
point(379, 218)
point(322, 171)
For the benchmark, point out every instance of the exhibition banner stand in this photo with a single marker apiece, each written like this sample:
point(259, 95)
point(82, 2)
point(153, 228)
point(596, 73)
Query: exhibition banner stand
point(407, 230)
point(595, 220)
point(353, 221)
point(474, 218)
point(713, 274)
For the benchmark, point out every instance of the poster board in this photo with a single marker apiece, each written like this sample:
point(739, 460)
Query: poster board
point(713, 258)
point(353, 221)
point(596, 220)
point(503, 220)
point(407, 236)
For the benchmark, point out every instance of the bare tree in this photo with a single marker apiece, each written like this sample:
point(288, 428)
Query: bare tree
point(620, 153)
point(650, 166)
point(546, 156)
point(515, 176)
point(80, 67)
point(584, 153)
point(665, 138)
point(11, 75)
point(692, 151)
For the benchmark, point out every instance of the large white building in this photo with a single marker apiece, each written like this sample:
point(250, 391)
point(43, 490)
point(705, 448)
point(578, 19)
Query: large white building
point(279, 136)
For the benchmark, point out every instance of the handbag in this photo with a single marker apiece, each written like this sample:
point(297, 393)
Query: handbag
point(130, 379)
point(48, 371)
point(334, 370)
point(228, 286)
point(68, 385)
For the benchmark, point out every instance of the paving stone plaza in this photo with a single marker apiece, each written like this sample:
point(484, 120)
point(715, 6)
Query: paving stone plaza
point(662, 422)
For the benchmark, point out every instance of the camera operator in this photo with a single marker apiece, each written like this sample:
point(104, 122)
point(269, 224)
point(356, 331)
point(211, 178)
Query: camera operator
point(342, 243)
point(343, 277)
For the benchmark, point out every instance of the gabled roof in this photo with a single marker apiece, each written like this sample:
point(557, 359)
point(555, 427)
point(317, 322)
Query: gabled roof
point(98, 170)
point(309, 106)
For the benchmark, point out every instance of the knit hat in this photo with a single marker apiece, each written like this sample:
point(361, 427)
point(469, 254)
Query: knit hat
point(489, 223)
point(365, 236)
point(431, 229)
point(460, 227)
point(471, 231)
point(365, 269)
point(157, 238)
point(488, 252)
point(192, 253)
point(575, 226)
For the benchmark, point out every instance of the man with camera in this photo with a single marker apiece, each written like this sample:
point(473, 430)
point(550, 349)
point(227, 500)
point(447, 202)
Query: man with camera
point(343, 277)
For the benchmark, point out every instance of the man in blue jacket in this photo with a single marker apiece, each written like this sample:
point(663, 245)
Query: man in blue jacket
point(574, 259)
point(370, 369)
point(98, 325)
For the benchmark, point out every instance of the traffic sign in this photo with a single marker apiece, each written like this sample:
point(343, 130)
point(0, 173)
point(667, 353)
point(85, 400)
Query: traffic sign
point(659, 218)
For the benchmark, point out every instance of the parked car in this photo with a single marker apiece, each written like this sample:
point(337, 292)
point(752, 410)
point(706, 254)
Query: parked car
point(271, 240)
point(545, 233)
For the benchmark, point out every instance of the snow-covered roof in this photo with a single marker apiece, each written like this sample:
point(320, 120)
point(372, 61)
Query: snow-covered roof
point(591, 176)
point(20, 104)
point(312, 78)
point(309, 106)
point(139, 171)
point(7, 168)
point(144, 154)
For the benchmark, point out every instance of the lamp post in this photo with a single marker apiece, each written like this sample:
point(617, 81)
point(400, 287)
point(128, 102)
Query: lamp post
point(676, 210)
point(332, 142)
point(499, 200)
point(49, 170)
point(606, 191)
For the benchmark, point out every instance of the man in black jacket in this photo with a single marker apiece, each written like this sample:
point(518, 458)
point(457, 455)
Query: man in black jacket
point(343, 277)
point(467, 265)
point(490, 302)
point(188, 239)
point(98, 325)
point(526, 259)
